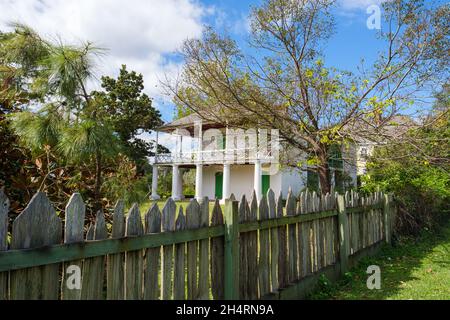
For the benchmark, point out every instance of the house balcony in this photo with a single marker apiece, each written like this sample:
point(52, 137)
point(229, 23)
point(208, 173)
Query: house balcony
point(211, 157)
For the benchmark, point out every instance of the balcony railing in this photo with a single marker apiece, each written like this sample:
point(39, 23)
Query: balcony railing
point(237, 156)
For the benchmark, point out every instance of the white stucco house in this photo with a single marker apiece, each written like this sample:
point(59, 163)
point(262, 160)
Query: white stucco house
point(231, 161)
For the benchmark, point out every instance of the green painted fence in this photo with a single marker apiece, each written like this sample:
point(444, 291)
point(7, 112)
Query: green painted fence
point(252, 251)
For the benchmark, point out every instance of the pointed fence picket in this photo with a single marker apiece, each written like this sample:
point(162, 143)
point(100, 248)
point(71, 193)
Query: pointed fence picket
point(73, 233)
point(37, 226)
point(274, 245)
point(133, 259)
point(291, 207)
point(282, 246)
point(254, 251)
point(152, 255)
point(94, 268)
point(192, 222)
point(203, 267)
point(264, 250)
point(115, 272)
point(243, 253)
point(217, 255)
point(168, 225)
point(179, 281)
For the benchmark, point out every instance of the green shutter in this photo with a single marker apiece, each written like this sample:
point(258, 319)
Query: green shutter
point(222, 143)
point(219, 185)
point(265, 183)
point(335, 157)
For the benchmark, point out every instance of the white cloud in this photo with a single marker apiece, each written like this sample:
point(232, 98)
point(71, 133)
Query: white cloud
point(358, 4)
point(139, 33)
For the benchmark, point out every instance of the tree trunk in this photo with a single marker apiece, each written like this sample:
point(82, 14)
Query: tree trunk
point(98, 182)
point(323, 171)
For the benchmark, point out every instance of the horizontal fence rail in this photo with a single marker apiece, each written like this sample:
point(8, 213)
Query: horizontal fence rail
point(251, 251)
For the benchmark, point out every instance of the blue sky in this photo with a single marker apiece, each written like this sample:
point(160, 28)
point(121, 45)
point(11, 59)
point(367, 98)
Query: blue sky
point(351, 41)
point(146, 34)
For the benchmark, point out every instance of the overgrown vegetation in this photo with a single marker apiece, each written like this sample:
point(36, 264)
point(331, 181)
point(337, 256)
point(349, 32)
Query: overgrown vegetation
point(416, 170)
point(58, 137)
point(415, 268)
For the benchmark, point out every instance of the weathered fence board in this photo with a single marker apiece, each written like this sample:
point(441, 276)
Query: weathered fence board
point(282, 250)
point(203, 266)
point(192, 222)
point(152, 256)
point(231, 252)
point(168, 225)
point(264, 249)
point(304, 230)
point(291, 207)
point(37, 226)
point(73, 232)
point(315, 227)
point(115, 273)
point(252, 252)
point(133, 259)
point(94, 268)
point(243, 254)
point(344, 245)
point(274, 245)
point(179, 277)
point(217, 255)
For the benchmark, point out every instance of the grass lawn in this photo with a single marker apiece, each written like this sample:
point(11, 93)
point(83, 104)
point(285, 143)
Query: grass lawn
point(413, 269)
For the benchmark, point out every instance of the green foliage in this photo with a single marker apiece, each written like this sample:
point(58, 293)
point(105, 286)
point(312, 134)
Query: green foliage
point(124, 183)
point(37, 130)
point(189, 184)
point(75, 140)
point(418, 174)
point(129, 111)
point(80, 141)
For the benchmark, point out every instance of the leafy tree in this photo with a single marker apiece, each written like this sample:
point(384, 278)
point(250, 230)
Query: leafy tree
point(130, 112)
point(71, 140)
point(286, 84)
point(63, 73)
point(19, 52)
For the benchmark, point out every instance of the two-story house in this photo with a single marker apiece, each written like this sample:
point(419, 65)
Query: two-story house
point(232, 161)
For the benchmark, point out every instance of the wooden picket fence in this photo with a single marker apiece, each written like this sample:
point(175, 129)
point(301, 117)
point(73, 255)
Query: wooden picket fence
point(251, 251)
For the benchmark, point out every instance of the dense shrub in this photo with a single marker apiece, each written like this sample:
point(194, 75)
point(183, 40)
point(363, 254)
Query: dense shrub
point(416, 171)
point(421, 192)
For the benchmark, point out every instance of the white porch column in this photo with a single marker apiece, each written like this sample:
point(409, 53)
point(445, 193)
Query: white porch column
point(199, 182)
point(226, 191)
point(333, 179)
point(199, 165)
point(155, 195)
point(258, 180)
point(176, 183)
point(180, 183)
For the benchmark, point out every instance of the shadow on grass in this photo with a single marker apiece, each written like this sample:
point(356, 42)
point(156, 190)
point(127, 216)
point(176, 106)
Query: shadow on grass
point(410, 269)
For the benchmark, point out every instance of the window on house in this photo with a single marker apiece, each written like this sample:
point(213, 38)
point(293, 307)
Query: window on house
point(335, 158)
